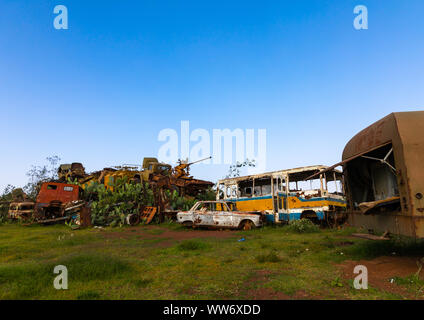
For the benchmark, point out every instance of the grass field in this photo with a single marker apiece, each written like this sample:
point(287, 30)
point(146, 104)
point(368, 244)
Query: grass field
point(169, 262)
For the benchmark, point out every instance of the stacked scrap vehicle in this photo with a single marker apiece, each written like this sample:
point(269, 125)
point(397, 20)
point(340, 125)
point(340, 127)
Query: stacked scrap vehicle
point(21, 207)
point(55, 202)
point(159, 176)
point(62, 199)
point(58, 201)
point(71, 172)
point(21, 210)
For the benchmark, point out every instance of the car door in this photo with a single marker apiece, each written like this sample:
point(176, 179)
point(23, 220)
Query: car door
point(203, 215)
point(222, 217)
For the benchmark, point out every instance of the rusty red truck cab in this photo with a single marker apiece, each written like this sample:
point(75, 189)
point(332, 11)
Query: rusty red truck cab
point(53, 196)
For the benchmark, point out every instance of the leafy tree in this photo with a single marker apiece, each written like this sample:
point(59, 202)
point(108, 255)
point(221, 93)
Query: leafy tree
point(208, 194)
point(5, 198)
point(7, 193)
point(40, 174)
point(234, 170)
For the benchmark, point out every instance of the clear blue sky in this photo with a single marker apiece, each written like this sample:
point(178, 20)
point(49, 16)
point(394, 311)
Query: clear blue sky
point(100, 92)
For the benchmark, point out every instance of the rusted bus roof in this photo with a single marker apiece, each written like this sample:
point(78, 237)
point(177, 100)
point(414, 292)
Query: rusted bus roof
point(341, 163)
point(398, 128)
point(377, 134)
point(304, 171)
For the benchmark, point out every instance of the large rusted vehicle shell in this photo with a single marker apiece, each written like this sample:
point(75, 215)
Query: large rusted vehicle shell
point(52, 199)
point(384, 177)
point(71, 171)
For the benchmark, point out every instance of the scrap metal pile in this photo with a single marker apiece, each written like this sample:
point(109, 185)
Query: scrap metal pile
point(122, 194)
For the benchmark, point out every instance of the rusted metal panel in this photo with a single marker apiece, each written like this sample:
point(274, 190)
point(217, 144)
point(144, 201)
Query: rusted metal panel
point(53, 191)
point(394, 223)
point(405, 132)
point(53, 198)
point(369, 236)
point(377, 134)
point(148, 214)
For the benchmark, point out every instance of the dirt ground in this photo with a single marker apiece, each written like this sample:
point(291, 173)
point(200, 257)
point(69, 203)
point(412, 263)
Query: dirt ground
point(168, 237)
point(382, 269)
point(262, 276)
point(263, 293)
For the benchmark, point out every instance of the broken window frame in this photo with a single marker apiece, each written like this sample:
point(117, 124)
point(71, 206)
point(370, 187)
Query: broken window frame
point(370, 195)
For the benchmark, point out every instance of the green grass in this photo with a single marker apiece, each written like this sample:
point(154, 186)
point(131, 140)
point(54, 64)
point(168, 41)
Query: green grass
point(269, 257)
point(88, 295)
point(116, 263)
point(190, 245)
point(413, 284)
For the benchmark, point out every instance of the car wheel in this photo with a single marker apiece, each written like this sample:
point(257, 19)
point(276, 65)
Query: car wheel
point(133, 219)
point(247, 225)
point(188, 224)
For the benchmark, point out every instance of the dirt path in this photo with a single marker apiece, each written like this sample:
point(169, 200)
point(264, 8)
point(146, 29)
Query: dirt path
point(262, 276)
point(169, 237)
point(382, 269)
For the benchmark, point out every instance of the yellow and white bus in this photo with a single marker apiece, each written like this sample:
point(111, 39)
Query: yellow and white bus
point(288, 194)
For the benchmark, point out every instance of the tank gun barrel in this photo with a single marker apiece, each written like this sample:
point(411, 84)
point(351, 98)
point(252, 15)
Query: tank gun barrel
point(199, 160)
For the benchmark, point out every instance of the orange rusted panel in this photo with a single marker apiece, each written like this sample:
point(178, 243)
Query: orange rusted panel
point(148, 214)
point(60, 192)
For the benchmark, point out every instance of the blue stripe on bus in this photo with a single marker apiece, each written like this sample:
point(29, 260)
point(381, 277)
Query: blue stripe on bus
point(297, 215)
point(292, 216)
point(284, 196)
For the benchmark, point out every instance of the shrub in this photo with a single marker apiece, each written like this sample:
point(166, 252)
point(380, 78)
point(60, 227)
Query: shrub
point(5, 198)
point(303, 226)
point(177, 202)
point(4, 209)
point(112, 207)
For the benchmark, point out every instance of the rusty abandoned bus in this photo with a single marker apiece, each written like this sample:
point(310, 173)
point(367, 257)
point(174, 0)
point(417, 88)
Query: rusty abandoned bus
point(288, 194)
point(384, 177)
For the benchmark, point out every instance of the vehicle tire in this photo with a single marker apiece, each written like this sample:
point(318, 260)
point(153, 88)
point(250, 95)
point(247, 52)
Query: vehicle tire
point(247, 225)
point(133, 219)
point(188, 224)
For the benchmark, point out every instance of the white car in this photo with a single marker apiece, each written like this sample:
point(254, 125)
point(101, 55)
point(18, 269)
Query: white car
point(219, 214)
